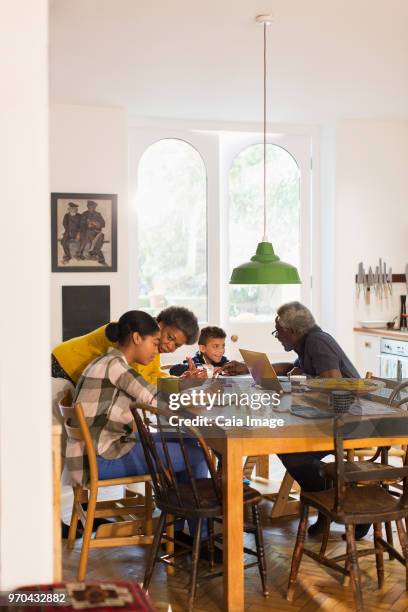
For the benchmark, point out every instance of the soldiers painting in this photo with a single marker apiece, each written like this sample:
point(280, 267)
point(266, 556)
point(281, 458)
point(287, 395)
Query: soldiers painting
point(83, 232)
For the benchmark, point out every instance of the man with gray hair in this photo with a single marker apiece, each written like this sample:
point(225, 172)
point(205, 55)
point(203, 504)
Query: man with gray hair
point(318, 354)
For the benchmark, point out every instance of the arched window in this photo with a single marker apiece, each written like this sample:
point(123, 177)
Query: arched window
point(172, 228)
point(259, 303)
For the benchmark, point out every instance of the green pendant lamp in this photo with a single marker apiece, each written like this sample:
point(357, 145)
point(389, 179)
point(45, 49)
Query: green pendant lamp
point(265, 268)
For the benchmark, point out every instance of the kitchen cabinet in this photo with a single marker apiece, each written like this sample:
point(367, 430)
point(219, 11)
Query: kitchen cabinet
point(394, 358)
point(367, 353)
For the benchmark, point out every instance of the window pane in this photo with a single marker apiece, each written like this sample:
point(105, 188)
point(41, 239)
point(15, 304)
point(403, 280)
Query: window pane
point(259, 302)
point(172, 228)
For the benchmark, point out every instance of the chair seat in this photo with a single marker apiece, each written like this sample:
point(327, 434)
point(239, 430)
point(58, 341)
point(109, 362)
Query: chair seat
point(362, 504)
point(209, 502)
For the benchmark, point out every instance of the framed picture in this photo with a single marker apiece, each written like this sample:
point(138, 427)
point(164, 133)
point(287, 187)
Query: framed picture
point(84, 232)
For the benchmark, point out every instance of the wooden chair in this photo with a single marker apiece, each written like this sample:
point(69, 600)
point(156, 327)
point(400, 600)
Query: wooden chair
point(350, 504)
point(392, 400)
point(137, 530)
point(285, 500)
point(196, 499)
point(382, 452)
point(367, 457)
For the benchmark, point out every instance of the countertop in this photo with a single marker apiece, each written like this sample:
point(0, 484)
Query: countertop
point(384, 332)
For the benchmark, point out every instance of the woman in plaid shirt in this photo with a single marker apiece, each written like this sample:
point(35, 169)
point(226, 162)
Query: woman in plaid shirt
point(106, 390)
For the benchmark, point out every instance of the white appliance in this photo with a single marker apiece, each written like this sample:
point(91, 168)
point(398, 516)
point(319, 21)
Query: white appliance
point(393, 358)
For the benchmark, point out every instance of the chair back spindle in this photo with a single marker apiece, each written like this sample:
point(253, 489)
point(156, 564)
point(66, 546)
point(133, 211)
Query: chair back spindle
point(167, 487)
point(394, 400)
point(65, 405)
point(77, 429)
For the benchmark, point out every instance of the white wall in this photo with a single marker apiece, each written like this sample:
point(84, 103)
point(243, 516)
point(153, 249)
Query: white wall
point(371, 214)
point(26, 525)
point(88, 153)
point(363, 192)
point(327, 181)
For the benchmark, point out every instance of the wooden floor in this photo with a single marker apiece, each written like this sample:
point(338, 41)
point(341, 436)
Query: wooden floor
point(318, 588)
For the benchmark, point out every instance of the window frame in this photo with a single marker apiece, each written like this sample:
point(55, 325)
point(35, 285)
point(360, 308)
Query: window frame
point(140, 139)
point(256, 335)
point(207, 138)
point(299, 148)
point(196, 150)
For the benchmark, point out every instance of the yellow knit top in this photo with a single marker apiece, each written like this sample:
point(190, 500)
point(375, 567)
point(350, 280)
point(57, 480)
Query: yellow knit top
point(75, 354)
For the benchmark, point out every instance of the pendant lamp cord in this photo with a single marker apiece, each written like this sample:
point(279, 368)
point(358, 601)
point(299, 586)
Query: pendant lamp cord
point(265, 239)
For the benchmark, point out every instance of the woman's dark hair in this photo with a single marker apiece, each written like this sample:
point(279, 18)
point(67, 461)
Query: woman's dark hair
point(183, 319)
point(131, 321)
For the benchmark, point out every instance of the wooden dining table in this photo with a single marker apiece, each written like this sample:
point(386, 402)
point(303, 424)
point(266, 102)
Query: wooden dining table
point(296, 434)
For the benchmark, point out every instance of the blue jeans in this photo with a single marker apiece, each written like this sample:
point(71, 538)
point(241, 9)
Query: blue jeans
point(134, 463)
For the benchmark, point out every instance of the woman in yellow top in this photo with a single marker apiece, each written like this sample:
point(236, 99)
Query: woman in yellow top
point(69, 359)
point(178, 326)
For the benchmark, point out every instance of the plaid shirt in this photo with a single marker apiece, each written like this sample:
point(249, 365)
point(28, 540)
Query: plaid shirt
point(106, 390)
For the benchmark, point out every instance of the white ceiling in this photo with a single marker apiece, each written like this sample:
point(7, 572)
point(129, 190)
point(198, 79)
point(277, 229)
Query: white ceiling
point(329, 59)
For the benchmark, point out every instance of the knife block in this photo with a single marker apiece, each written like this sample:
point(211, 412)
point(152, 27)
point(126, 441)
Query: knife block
point(403, 312)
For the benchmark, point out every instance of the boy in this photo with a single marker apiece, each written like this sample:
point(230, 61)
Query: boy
point(211, 344)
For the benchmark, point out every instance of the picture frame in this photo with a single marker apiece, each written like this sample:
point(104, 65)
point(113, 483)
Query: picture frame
point(84, 232)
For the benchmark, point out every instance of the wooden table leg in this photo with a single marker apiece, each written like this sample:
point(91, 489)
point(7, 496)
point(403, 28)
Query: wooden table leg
point(262, 466)
point(233, 526)
point(282, 500)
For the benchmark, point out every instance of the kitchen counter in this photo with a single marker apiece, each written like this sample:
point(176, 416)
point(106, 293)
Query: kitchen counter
point(384, 332)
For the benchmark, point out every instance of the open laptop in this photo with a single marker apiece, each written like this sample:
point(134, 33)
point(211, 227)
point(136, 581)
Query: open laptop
point(263, 372)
